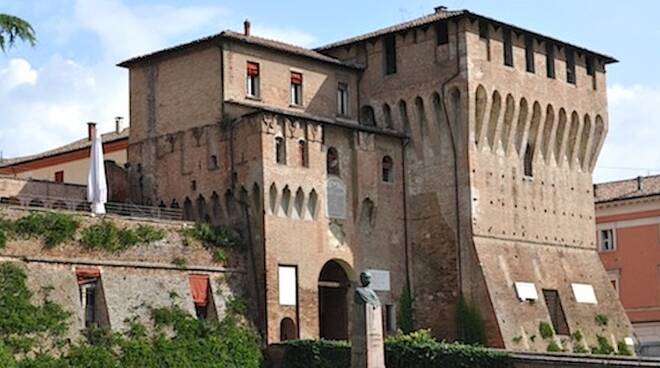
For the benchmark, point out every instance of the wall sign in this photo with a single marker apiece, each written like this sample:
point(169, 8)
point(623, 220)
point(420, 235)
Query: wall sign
point(336, 192)
point(380, 280)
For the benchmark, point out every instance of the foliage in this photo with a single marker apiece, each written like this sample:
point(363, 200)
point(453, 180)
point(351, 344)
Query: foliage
point(604, 347)
point(601, 320)
point(52, 227)
point(578, 348)
point(179, 340)
point(213, 236)
point(219, 256)
point(406, 321)
point(623, 349)
point(24, 324)
point(545, 330)
point(553, 347)
point(180, 262)
point(517, 339)
point(3, 238)
point(414, 350)
point(105, 235)
point(470, 325)
point(236, 306)
point(13, 28)
point(577, 336)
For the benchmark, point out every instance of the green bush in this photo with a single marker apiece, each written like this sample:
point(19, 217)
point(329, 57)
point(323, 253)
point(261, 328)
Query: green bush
point(52, 227)
point(553, 347)
point(106, 236)
point(415, 350)
point(603, 347)
point(578, 348)
point(601, 320)
point(470, 325)
point(213, 237)
point(623, 349)
point(545, 330)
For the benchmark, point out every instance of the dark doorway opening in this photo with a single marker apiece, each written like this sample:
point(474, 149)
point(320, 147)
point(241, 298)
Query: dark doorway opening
point(333, 302)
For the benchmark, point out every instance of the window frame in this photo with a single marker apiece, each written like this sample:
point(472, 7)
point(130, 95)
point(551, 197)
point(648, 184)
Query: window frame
point(389, 54)
point(252, 82)
point(442, 33)
point(280, 150)
point(59, 176)
point(296, 90)
point(559, 320)
point(330, 170)
point(389, 178)
point(601, 247)
point(343, 100)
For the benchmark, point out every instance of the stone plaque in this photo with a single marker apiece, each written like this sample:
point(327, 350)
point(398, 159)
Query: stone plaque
point(380, 280)
point(336, 204)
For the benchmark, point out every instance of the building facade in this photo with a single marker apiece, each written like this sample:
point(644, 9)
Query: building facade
point(450, 155)
point(628, 233)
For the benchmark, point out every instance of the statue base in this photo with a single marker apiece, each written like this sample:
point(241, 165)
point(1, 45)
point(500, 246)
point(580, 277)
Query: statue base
point(367, 345)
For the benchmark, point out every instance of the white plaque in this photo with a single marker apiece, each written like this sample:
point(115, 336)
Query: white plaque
point(336, 203)
point(584, 293)
point(288, 285)
point(526, 291)
point(380, 280)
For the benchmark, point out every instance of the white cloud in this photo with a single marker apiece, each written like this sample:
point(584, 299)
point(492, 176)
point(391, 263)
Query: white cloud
point(288, 35)
point(631, 147)
point(16, 73)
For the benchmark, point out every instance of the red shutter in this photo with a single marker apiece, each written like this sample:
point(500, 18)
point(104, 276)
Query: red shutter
point(296, 78)
point(59, 177)
point(87, 274)
point(199, 285)
point(252, 69)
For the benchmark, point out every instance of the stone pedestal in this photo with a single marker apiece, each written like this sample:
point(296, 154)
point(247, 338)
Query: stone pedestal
point(367, 349)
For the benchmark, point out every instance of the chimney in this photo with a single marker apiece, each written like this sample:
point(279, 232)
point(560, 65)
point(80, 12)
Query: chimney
point(440, 9)
point(118, 121)
point(91, 130)
point(246, 27)
point(639, 183)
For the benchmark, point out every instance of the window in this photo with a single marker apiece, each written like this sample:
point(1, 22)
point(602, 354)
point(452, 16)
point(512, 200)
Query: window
point(302, 153)
point(288, 285)
point(296, 89)
point(342, 99)
point(280, 150)
point(252, 79)
point(390, 319)
point(529, 54)
point(484, 30)
point(387, 169)
point(387, 114)
point(332, 162)
point(288, 330)
point(389, 43)
point(442, 33)
point(550, 60)
point(508, 47)
point(89, 285)
point(59, 177)
point(213, 162)
point(528, 161)
point(367, 116)
point(556, 312)
point(615, 276)
point(570, 66)
point(591, 71)
point(199, 287)
point(606, 240)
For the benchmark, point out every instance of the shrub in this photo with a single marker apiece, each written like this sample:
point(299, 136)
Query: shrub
point(406, 322)
point(3, 238)
point(553, 347)
point(623, 349)
point(53, 228)
point(601, 320)
point(415, 350)
point(180, 262)
point(105, 235)
point(545, 330)
point(577, 336)
point(603, 347)
point(214, 236)
point(470, 325)
point(578, 348)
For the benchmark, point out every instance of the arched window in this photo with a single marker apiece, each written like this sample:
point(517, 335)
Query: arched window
point(367, 116)
point(280, 150)
point(387, 169)
point(332, 161)
point(302, 153)
point(528, 164)
point(188, 210)
point(288, 330)
point(387, 113)
point(213, 162)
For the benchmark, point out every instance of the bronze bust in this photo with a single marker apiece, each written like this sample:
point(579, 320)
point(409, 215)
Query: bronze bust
point(364, 294)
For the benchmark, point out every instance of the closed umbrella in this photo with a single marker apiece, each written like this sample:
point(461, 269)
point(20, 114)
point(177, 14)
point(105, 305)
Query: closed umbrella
point(97, 187)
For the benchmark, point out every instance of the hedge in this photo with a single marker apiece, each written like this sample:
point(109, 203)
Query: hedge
point(415, 350)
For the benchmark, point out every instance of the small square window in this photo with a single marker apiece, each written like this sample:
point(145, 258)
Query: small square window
point(606, 240)
point(59, 177)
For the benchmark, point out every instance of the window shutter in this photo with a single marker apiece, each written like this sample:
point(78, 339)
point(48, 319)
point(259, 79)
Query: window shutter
point(296, 78)
point(199, 286)
point(87, 274)
point(252, 69)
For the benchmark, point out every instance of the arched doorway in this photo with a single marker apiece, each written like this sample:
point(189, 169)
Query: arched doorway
point(334, 284)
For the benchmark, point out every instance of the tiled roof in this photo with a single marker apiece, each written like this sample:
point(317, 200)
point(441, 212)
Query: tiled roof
point(447, 14)
point(252, 40)
point(74, 146)
point(640, 187)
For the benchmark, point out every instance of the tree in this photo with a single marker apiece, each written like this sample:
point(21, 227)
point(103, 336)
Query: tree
point(13, 28)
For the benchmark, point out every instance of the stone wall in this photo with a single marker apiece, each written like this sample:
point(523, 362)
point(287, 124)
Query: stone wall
point(44, 193)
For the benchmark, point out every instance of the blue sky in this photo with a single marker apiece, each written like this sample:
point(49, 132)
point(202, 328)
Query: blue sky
point(47, 93)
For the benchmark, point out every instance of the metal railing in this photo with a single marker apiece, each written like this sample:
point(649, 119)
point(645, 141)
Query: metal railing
point(79, 205)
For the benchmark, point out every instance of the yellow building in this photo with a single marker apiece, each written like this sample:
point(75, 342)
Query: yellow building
point(68, 163)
